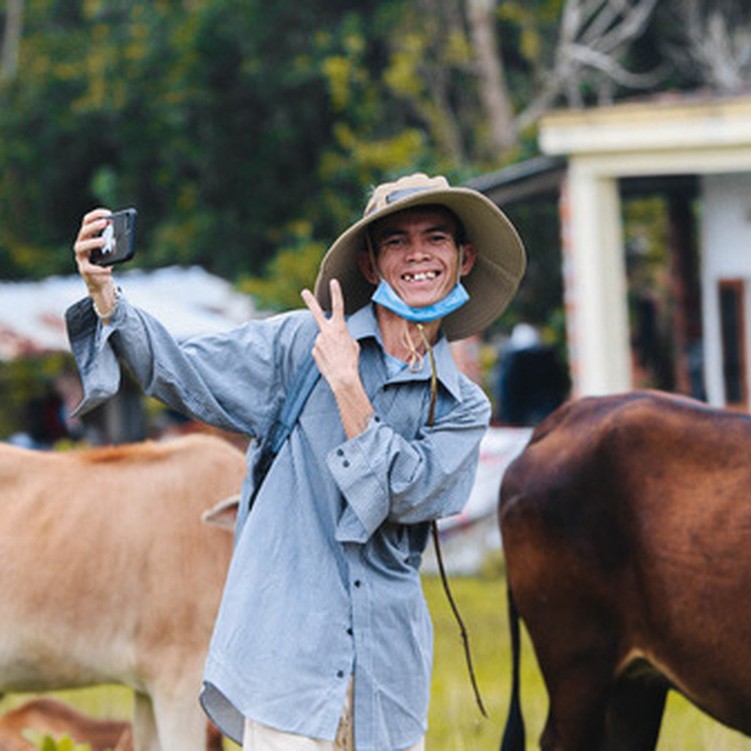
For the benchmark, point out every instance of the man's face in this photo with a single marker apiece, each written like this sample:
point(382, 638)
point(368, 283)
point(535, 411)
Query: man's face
point(417, 254)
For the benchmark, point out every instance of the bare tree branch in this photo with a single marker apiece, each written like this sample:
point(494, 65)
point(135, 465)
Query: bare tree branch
point(592, 37)
point(715, 43)
point(593, 33)
point(633, 20)
point(606, 64)
point(11, 39)
point(493, 88)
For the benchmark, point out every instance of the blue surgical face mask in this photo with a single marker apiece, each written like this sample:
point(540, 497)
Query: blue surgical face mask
point(386, 296)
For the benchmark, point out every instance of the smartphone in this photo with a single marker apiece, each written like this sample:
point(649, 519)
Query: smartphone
point(120, 236)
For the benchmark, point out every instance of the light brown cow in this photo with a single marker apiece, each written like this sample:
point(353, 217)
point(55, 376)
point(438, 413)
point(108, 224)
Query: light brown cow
point(109, 574)
point(626, 527)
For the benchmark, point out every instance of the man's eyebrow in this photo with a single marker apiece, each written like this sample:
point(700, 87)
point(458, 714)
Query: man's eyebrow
point(438, 228)
point(391, 231)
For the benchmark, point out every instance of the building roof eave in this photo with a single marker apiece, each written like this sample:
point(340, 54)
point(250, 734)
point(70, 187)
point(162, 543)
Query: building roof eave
point(538, 178)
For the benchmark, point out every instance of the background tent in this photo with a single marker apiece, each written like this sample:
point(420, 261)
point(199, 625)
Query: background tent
point(188, 301)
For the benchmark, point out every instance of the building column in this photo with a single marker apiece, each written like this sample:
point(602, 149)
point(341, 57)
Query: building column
point(596, 286)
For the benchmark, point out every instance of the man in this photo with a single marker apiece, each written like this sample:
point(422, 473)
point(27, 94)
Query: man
point(323, 600)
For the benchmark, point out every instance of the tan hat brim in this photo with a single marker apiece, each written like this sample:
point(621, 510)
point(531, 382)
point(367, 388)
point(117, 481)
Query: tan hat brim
point(491, 283)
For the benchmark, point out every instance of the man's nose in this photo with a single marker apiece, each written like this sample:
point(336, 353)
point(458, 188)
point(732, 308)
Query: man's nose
point(417, 247)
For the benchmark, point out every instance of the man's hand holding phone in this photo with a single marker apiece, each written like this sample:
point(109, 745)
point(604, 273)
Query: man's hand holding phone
point(90, 242)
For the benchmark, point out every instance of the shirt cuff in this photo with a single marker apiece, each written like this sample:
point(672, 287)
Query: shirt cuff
point(355, 466)
point(97, 364)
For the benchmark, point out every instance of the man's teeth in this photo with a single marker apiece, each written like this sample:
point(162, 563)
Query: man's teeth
point(421, 276)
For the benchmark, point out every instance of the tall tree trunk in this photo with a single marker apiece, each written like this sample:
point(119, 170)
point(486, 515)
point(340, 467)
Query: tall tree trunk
point(496, 99)
point(11, 39)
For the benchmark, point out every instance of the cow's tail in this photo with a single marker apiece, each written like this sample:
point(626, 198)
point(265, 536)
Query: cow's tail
point(513, 734)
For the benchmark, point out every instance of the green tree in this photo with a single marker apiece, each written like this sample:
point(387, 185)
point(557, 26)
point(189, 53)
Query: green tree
point(229, 124)
point(211, 118)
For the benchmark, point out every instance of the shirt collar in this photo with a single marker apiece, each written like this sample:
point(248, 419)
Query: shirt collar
point(364, 325)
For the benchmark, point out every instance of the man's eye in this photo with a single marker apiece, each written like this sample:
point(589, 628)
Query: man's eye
point(392, 243)
point(439, 238)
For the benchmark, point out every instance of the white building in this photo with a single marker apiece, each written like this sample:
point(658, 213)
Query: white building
point(697, 151)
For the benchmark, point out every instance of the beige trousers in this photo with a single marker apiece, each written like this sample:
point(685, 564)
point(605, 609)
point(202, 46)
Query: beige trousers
point(259, 737)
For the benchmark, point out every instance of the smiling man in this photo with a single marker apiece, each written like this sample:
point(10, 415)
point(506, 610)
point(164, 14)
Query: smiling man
point(417, 257)
point(323, 640)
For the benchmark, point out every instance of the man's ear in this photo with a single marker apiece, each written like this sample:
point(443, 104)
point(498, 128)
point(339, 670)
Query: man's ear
point(366, 266)
point(469, 256)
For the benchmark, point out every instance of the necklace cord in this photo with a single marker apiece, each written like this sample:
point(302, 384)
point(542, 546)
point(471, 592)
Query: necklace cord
point(436, 542)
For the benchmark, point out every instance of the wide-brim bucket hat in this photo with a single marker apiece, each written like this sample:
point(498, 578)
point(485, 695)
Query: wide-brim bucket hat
point(491, 283)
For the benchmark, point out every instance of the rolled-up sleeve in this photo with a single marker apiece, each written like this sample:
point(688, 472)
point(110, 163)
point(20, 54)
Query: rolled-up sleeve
point(385, 477)
point(232, 380)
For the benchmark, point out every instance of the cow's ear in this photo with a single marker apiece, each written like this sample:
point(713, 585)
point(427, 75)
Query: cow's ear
point(223, 514)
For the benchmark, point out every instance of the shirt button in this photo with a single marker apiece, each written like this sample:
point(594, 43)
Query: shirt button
point(340, 674)
point(349, 631)
point(357, 582)
point(345, 463)
point(340, 452)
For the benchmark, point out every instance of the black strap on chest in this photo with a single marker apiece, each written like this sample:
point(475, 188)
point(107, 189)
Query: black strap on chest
point(299, 390)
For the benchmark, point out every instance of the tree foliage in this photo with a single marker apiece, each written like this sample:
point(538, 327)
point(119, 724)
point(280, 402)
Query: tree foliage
point(247, 133)
point(210, 117)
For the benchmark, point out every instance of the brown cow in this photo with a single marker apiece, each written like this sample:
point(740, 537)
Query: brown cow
point(109, 575)
point(626, 526)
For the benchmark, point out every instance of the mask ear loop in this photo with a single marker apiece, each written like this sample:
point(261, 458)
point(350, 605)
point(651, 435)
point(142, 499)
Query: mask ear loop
point(371, 253)
point(460, 264)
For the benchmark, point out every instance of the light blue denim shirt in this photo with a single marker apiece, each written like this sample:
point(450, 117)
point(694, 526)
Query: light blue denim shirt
point(324, 579)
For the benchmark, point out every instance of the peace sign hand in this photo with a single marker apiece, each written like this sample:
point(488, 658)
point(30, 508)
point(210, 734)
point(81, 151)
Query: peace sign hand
point(337, 355)
point(335, 352)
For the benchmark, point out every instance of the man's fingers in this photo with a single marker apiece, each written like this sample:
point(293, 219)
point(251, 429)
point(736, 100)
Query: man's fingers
point(337, 300)
point(313, 306)
point(96, 214)
point(337, 305)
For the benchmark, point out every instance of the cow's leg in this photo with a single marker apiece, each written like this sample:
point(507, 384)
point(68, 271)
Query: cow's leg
point(180, 720)
point(635, 713)
point(577, 659)
point(145, 736)
point(588, 712)
point(576, 720)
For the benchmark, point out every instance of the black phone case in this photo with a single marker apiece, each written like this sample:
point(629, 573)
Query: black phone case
point(123, 245)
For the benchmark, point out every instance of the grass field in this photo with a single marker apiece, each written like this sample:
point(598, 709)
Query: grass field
point(455, 722)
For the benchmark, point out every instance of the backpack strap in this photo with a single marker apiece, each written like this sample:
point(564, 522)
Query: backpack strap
point(302, 385)
point(299, 390)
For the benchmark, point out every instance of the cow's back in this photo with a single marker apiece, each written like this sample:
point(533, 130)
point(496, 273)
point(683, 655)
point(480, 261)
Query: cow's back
point(627, 517)
point(106, 559)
